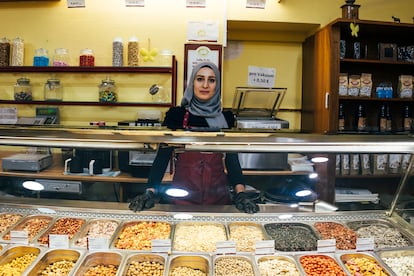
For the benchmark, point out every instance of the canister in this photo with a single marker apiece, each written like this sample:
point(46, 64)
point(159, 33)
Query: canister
point(107, 91)
point(61, 57)
point(86, 57)
point(23, 90)
point(133, 52)
point(17, 58)
point(4, 51)
point(53, 90)
point(41, 57)
point(117, 52)
point(166, 57)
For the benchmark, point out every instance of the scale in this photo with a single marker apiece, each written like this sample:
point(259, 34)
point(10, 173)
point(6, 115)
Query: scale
point(256, 108)
point(44, 116)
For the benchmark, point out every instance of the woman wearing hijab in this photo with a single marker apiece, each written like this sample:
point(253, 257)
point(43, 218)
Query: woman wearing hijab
point(201, 174)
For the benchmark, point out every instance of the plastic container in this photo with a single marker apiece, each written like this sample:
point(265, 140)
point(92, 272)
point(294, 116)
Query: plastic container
point(23, 90)
point(133, 51)
point(108, 91)
point(4, 51)
point(61, 57)
point(17, 58)
point(86, 58)
point(53, 90)
point(41, 57)
point(117, 52)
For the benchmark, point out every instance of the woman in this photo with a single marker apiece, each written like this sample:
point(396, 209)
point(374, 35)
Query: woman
point(201, 174)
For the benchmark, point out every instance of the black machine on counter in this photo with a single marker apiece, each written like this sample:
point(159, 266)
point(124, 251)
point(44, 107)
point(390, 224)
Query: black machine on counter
point(256, 108)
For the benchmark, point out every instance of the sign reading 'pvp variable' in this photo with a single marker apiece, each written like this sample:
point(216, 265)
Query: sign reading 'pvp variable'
point(261, 77)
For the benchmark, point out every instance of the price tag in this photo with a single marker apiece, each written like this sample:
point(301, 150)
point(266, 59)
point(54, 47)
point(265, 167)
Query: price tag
point(226, 247)
point(265, 247)
point(134, 3)
point(325, 246)
point(76, 3)
point(161, 246)
point(58, 241)
point(365, 244)
point(98, 243)
point(20, 237)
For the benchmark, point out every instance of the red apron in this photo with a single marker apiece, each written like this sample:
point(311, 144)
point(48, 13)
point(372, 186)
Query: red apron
point(203, 176)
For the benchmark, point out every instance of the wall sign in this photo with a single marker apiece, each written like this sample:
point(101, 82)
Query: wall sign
point(196, 53)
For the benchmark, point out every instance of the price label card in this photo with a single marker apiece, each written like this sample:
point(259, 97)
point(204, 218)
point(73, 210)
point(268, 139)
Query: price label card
point(325, 246)
point(134, 3)
point(20, 237)
point(76, 3)
point(98, 243)
point(161, 246)
point(226, 247)
point(58, 241)
point(265, 247)
point(365, 244)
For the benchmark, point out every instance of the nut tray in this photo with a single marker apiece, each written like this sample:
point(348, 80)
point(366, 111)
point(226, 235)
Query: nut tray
point(53, 257)
point(277, 265)
point(246, 234)
point(385, 233)
point(320, 264)
point(21, 256)
point(7, 220)
point(153, 264)
point(344, 236)
point(107, 263)
point(234, 265)
point(398, 260)
point(185, 264)
point(96, 228)
point(62, 226)
point(198, 236)
point(34, 225)
point(292, 236)
point(364, 263)
point(137, 235)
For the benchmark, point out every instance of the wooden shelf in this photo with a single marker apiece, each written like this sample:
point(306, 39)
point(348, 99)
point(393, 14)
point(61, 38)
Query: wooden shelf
point(84, 103)
point(78, 69)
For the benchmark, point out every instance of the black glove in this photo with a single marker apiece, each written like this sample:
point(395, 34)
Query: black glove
point(245, 204)
point(146, 200)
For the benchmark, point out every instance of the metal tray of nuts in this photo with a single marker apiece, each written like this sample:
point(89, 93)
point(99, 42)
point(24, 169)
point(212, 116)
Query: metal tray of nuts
point(359, 262)
point(58, 261)
point(21, 256)
point(398, 260)
point(199, 237)
point(62, 226)
point(224, 265)
point(292, 236)
point(385, 233)
point(345, 237)
point(101, 263)
point(96, 228)
point(144, 264)
point(34, 225)
point(320, 264)
point(277, 265)
point(189, 265)
point(246, 234)
point(7, 220)
point(138, 235)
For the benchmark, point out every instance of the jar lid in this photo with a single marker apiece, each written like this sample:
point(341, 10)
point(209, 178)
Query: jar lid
point(133, 39)
point(4, 40)
point(41, 52)
point(87, 51)
point(118, 39)
point(166, 52)
point(23, 81)
point(53, 81)
point(61, 51)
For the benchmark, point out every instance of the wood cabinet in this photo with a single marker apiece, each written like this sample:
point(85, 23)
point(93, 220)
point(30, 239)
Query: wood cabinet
point(323, 64)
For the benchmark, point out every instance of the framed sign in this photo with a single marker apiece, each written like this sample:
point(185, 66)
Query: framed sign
point(195, 53)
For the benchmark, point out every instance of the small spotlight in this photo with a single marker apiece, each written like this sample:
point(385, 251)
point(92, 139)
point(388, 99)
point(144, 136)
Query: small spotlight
point(33, 185)
point(319, 159)
point(313, 175)
point(183, 216)
point(174, 192)
point(285, 216)
point(303, 193)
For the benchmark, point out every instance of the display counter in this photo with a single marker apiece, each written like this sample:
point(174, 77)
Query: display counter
point(354, 219)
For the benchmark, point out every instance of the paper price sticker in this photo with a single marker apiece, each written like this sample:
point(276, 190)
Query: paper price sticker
point(226, 247)
point(98, 243)
point(58, 241)
point(76, 3)
point(265, 247)
point(20, 237)
point(135, 3)
point(161, 246)
point(365, 244)
point(325, 246)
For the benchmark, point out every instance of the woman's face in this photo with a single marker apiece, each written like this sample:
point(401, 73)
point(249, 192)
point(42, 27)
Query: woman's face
point(205, 84)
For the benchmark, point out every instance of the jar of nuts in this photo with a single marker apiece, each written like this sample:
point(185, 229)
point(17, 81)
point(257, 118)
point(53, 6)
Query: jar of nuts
point(17, 58)
point(107, 91)
point(133, 53)
point(86, 57)
point(4, 51)
point(23, 90)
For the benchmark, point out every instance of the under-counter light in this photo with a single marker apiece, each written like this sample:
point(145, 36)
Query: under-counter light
point(46, 210)
point(174, 192)
point(33, 185)
point(319, 159)
point(303, 193)
point(182, 216)
point(313, 175)
point(285, 216)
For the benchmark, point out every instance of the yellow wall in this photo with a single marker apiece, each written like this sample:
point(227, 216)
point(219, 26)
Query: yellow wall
point(50, 24)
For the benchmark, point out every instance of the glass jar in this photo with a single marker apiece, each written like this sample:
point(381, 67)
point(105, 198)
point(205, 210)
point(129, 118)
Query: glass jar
point(53, 90)
point(117, 52)
point(41, 57)
point(86, 57)
point(61, 57)
point(17, 58)
point(4, 51)
point(107, 91)
point(166, 57)
point(133, 51)
point(23, 90)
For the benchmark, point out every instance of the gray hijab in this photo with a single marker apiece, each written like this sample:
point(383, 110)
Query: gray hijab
point(210, 110)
